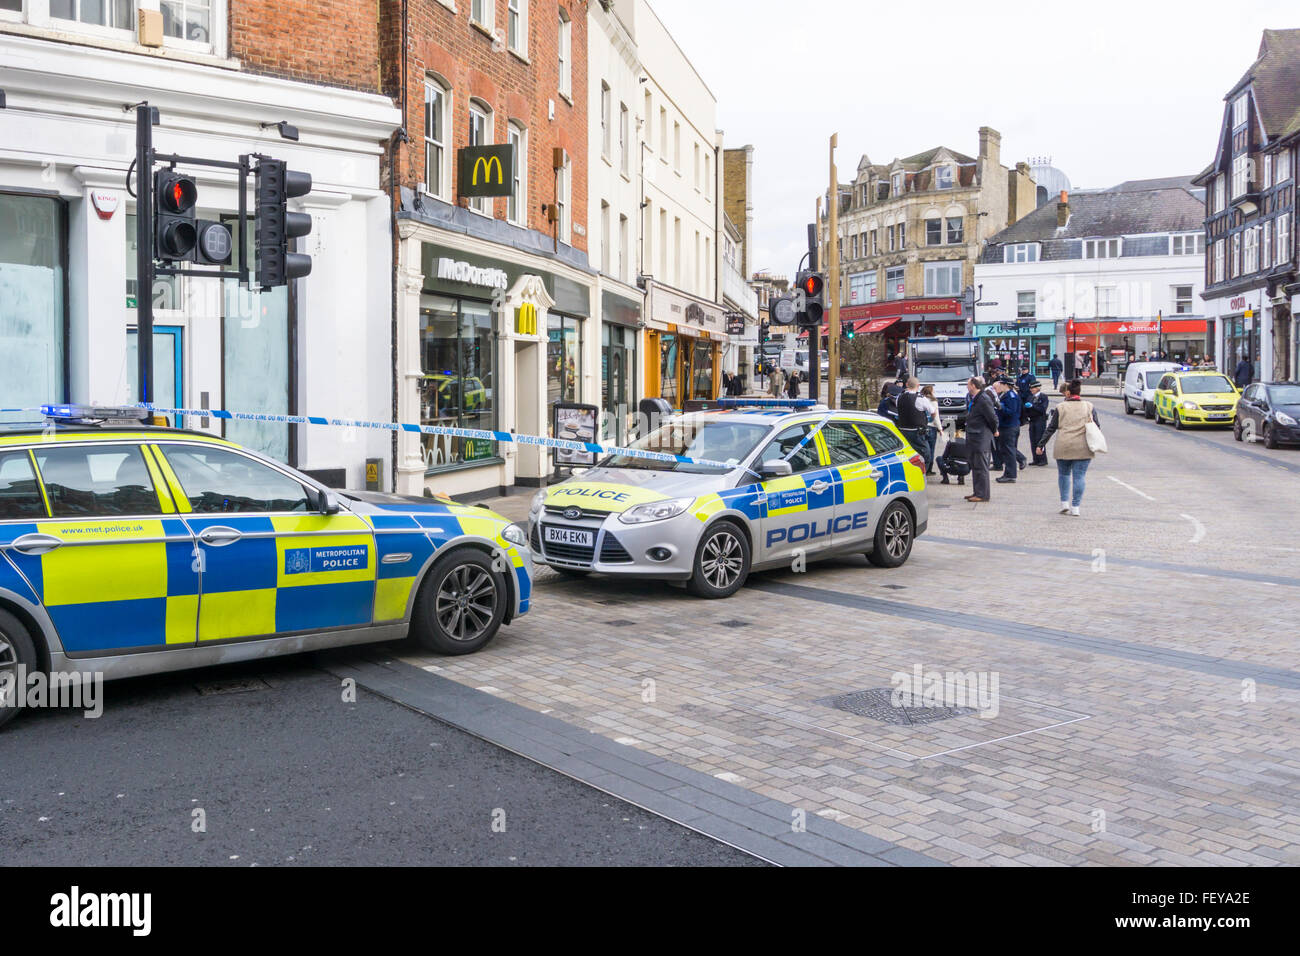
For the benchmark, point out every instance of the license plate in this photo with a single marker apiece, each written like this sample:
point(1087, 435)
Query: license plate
point(579, 536)
point(1218, 415)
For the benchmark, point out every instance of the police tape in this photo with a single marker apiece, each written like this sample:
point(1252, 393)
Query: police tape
point(479, 434)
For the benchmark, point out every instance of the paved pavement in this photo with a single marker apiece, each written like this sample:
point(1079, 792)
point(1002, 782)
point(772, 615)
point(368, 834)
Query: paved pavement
point(287, 773)
point(1144, 653)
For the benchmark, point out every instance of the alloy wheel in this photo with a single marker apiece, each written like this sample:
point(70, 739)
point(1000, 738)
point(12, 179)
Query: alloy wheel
point(466, 602)
point(8, 666)
point(898, 533)
point(722, 559)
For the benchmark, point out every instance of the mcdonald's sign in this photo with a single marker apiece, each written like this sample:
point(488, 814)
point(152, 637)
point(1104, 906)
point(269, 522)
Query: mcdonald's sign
point(487, 170)
point(526, 319)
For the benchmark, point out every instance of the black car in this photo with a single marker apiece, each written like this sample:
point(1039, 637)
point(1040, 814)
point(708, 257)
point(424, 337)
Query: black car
point(1269, 411)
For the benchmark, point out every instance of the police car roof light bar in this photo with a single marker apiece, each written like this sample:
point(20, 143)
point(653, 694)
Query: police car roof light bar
point(767, 402)
point(121, 413)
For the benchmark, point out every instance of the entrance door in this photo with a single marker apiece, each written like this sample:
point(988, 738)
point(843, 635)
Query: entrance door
point(168, 366)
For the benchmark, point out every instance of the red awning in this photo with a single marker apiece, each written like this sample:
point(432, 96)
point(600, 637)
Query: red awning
point(1136, 327)
point(875, 325)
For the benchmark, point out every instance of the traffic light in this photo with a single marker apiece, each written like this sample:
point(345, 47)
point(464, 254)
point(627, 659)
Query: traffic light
point(276, 226)
point(849, 331)
point(176, 231)
point(808, 299)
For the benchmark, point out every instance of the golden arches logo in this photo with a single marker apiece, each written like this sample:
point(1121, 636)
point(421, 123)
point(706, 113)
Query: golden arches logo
point(526, 319)
point(486, 162)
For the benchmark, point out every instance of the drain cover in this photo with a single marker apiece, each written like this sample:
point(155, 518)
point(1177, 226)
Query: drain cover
point(875, 703)
point(241, 685)
point(734, 623)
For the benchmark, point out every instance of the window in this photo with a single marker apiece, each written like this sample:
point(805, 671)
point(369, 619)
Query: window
point(943, 278)
point(896, 184)
point(1189, 245)
point(943, 177)
point(1107, 301)
point(480, 134)
point(894, 283)
point(566, 60)
point(790, 446)
point(862, 288)
point(1251, 261)
point(604, 119)
point(20, 497)
point(622, 248)
point(115, 14)
point(1283, 238)
point(1283, 166)
point(517, 25)
point(696, 166)
point(677, 252)
point(1101, 248)
point(902, 235)
point(1182, 300)
point(1240, 174)
point(1219, 201)
point(1234, 261)
point(604, 237)
point(182, 19)
point(875, 245)
point(1020, 252)
point(677, 147)
point(880, 438)
point(1266, 237)
point(1266, 172)
point(934, 232)
point(563, 185)
point(623, 131)
point(221, 481)
point(955, 229)
point(435, 138)
point(459, 387)
point(1239, 111)
point(483, 11)
point(844, 443)
point(855, 246)
point(663, 244)
point(663, 133)
point(32, 269)
point(563, 358)
point(890, 232)
point(1026, 304)
point(517, 203)
point(708, 176)
point(1218, 261)
point(108, 480)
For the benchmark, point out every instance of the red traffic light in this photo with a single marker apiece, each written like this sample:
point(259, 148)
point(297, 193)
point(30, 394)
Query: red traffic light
point(176, 193)
point(812, 285)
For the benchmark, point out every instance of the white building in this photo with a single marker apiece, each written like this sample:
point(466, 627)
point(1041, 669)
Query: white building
point(1117, 270)
point(67, 238)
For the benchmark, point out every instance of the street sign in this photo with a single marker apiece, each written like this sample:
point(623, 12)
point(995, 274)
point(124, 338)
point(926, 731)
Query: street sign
point(735, 323)
point(487, 170)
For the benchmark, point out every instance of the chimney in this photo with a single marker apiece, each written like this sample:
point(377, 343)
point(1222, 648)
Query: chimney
point(990, 147)
point(1063, 210)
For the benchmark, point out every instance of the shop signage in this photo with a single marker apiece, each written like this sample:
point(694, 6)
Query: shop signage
point(735, 323)
point(1137, 327)
point(984, 330)
point(455, 271)
point(901, 307)
point(573, 422)
point(526, 319)
point(487, 170)
point(694, 313)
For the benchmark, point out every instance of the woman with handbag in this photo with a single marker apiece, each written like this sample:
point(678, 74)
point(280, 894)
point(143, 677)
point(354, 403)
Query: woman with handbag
point(1078, 440)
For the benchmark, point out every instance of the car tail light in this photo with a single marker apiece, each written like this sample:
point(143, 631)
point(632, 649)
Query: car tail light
point(918, 461)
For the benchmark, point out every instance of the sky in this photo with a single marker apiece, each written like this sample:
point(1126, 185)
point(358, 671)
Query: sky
point(1109, 90)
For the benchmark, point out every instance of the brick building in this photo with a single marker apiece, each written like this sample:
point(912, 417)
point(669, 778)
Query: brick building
point(222, 74)
point(473, 273)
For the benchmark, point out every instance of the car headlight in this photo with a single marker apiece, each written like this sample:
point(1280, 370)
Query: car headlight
point(655, 510)
point(1189, 406)
point(537, 500)
point(1283, 418)
point(515, 535)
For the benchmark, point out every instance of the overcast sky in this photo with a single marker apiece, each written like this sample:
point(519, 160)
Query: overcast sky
point(1110, 89)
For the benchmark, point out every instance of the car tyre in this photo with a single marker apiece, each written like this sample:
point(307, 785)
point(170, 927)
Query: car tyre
point(1148, 410)
point(1236, 429)
point(16, 649)
point(1270, 437)
point(721, 562)
point(461, 604)
point(895, 533)
point(1128, 408)
point(1178, 421)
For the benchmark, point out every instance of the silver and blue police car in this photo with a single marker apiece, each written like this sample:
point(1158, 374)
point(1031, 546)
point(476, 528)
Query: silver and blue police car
point(769, 483)
point(128, 549)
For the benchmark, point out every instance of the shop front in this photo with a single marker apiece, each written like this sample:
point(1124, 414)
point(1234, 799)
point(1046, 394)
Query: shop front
point(1182, 339)
point(684, 346)
point(1241, 330)
point(499, 342)
point(1014, 348)
point(898, 320)
point(619, 332)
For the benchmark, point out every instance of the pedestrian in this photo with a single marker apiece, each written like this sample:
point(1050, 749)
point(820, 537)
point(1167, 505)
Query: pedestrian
point(1036, 415)
point(913, 420)
point(737, 385)
point(725, 388)
point(885, 407)
point(981, 429)
point(1056, 368)
point(1008, 431)
point(1142, 357)
point(1245, 372)
point(776, 382)
point(1069, 422)
point(1101, 363)
point(900, 366)
point(934, 424)
point(792, 386)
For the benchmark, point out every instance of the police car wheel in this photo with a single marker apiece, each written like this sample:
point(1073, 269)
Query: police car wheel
point(461, 604)
point(16, 650)
point(721, 562)
point(893, 540)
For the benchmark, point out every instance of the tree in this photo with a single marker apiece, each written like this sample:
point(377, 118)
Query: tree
point(864, 357)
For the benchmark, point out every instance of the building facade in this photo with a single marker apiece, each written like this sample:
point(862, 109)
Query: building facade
point(1251, 292)
point(222, 74)
point(1116, 272)
point(739, 297)
point(911, 231)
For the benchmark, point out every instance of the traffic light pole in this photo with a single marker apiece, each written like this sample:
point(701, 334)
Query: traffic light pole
point(144, 250)
point(833, 265)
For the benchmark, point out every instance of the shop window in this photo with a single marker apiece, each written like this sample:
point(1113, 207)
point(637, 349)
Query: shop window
point(32, 314)
point(563, 358)
point(702, 369)
point(617, 379)
point(669, 363)
point(459, 386)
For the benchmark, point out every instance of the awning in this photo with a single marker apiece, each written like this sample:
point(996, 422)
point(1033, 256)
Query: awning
point(875, 325)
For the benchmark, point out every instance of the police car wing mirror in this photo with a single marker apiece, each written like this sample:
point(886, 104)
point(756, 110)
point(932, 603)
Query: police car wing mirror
point(329, 504)
point(780, 468)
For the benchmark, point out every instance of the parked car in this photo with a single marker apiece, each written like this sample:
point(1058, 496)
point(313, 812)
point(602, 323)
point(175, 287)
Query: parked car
point(1269, 412)
point(1196, 398)
point(1140, 381)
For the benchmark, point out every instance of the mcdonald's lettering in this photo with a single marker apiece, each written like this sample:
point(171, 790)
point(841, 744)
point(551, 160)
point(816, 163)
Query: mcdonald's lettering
point(485, 163)
point(526, 319)
point(487, 170)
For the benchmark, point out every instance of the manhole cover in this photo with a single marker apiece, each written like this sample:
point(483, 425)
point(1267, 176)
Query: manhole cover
point(620, 623)
point(240, 685)
point(734, 623)
point(876, 704)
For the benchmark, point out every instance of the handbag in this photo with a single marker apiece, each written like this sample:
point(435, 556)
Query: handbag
point(1092, 434)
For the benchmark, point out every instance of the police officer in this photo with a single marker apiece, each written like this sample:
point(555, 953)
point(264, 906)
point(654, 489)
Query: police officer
point(1035, 413)
point(1008, 430)
point(912, 420)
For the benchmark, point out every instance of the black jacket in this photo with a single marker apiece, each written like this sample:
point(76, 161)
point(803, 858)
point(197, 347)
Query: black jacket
point(909, 416)
point(982, 416)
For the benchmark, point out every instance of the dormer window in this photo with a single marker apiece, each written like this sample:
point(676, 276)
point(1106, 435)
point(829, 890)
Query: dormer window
point(1239, 111)
point(943, 177)
point(896, 184)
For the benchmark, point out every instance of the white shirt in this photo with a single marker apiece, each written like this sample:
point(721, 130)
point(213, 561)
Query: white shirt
point(928, 407)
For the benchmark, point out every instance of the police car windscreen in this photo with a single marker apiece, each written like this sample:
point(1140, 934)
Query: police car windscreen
point(694, 438)
point(943, 373)
point(1205, 383)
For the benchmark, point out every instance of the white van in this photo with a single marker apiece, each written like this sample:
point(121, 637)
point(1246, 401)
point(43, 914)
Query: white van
point(1140, 379)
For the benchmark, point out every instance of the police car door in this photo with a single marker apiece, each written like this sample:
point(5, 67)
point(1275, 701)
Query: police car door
point(855, 504)
point(106, 555)
point(800, 507)
point(270, 564)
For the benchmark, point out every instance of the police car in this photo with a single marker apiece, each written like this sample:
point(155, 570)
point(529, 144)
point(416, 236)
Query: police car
point(772, 483)
point(127, 549)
